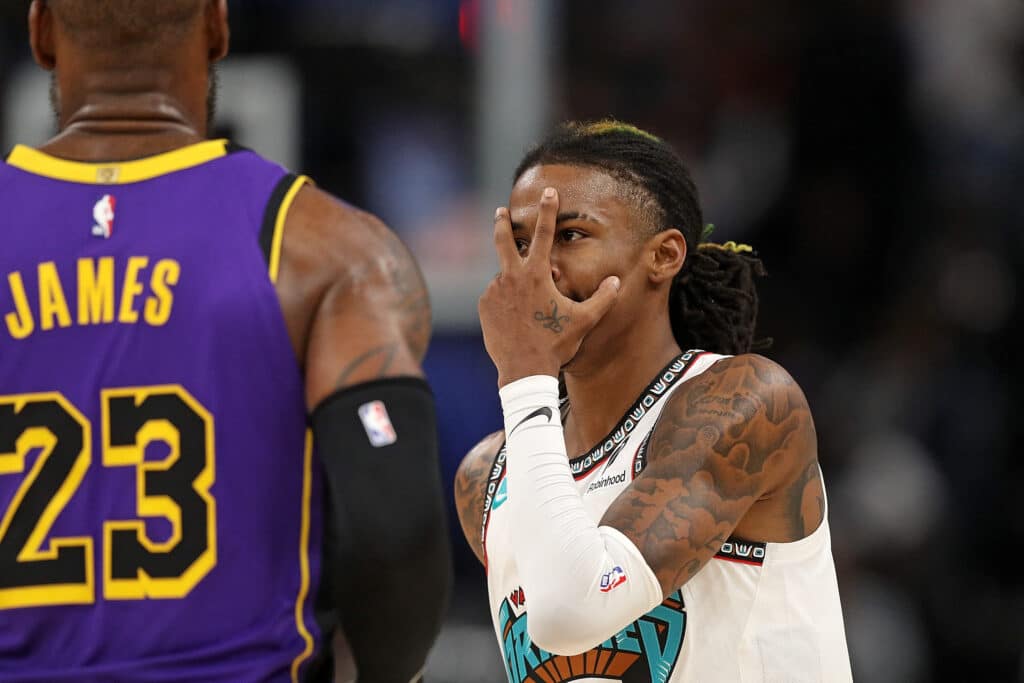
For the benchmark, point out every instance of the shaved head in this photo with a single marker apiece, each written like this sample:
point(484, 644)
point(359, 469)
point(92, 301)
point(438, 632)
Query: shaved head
point(123, 57)
point(125, 23)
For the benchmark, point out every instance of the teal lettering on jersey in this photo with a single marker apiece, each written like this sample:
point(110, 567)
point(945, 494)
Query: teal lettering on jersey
point(655, 639)
point(662, 652)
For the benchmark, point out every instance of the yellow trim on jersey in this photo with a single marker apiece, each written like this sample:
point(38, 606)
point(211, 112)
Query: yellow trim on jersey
point(116, 173)
point(282, 214)
point(300, 602)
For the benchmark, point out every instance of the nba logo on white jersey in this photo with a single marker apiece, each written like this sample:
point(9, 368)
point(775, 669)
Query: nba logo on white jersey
point(377, 424)
point(613, 579)
point(103, 214)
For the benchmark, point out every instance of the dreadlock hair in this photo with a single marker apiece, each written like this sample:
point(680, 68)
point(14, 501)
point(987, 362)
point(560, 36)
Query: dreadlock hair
point(713, 299)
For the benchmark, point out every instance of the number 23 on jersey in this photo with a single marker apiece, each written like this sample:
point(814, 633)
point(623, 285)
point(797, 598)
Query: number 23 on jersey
point(35, 572)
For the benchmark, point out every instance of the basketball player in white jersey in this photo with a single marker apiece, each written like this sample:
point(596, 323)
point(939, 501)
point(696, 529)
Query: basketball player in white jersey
point(672, 525)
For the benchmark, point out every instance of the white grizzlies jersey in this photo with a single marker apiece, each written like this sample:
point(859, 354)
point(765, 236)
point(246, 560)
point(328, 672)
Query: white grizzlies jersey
point(756, 613)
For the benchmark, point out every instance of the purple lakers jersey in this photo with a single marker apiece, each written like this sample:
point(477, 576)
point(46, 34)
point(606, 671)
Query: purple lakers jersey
point(158, 494)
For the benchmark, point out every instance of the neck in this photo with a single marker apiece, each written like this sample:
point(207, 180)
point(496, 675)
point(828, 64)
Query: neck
point(117, 116)
point(603, 385)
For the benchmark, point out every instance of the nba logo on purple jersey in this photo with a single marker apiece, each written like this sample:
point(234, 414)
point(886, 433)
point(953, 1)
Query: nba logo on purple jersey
point(159, 500)
point(103, 215)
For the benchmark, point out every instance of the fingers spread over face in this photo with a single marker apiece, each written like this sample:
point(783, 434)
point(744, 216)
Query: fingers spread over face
point(544, 234)
point(504, 242)
point(598, 305)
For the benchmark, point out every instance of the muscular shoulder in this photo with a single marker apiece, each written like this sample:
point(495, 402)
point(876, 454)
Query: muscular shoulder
point(734, 439)
point(333, 243)
point(345, 274)
point(471, 488)
point(751, 413)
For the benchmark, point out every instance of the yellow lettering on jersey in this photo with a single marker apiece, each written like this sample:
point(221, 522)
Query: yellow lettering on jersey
point(132, 289)
point(52, 302)
point(95, 290)
point(158, 307)
point(19, 322)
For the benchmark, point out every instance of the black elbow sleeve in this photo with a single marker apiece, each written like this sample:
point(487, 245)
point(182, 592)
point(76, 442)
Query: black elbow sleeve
point(388, 556)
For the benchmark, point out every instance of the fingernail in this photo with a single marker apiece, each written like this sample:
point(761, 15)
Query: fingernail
point(549, 192)
point(616, 283)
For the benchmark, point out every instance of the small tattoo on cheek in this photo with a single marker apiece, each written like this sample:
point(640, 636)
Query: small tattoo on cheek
point(551, 321)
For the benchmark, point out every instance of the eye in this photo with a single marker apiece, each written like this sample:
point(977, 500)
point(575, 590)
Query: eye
point(522, 245)
point(570, 235)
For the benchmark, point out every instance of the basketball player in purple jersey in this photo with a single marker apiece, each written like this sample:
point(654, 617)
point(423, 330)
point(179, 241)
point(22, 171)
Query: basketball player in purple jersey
point(209, 373)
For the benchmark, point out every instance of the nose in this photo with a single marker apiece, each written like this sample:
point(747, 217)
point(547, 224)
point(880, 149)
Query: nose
point(556, 272)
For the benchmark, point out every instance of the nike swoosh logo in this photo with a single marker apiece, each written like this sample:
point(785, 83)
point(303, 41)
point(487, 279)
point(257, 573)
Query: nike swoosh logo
point(545, 411)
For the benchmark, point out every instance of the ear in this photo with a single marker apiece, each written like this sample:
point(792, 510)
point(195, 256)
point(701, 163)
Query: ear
point(218, 32)
point(668, 252)
point(40, 35)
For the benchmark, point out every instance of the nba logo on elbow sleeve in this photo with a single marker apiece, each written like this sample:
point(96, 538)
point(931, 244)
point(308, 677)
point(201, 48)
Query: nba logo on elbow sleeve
point(613, 579)
point(377, 424)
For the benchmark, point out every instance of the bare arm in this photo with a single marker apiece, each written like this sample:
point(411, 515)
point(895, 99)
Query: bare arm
point(738, 433)
point(737, 436)
point(354, 298)
point(471, 488)
point(358, 312)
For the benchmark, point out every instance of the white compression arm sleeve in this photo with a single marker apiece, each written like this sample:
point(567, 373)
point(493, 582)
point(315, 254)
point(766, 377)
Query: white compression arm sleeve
point(583, 583)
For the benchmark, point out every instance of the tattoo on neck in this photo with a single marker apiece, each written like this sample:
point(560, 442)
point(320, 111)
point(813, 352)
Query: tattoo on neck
point(551, 321)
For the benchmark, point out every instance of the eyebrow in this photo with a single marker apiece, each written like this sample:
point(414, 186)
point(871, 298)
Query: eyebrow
point(560, 218)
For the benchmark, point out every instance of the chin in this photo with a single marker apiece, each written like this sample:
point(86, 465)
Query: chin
point(590, 351)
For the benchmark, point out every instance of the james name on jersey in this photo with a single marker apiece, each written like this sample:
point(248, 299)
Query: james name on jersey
point(140, 292)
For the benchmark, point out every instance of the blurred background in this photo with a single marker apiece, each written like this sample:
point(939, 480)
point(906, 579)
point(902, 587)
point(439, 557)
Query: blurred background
point(871, 150)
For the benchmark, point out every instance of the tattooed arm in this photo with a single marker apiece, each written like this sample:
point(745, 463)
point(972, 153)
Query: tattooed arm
point(471, 487)
point(353, 297)
point(736, 436)
point(359, 318)
point(739, 433)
